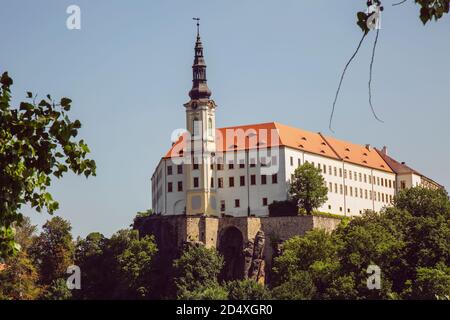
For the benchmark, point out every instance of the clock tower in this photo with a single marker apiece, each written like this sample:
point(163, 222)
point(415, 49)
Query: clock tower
point(199, 156)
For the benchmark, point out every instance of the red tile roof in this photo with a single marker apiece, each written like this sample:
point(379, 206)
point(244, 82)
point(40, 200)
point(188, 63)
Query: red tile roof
point(273, 134)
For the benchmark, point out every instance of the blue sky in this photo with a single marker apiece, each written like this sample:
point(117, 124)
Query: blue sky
point(128, 72)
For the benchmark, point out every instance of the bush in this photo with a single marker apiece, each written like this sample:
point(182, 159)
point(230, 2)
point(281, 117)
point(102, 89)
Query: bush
point(284, 208)
point(247, 290)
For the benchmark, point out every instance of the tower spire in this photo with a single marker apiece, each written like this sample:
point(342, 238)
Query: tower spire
point(200, 88)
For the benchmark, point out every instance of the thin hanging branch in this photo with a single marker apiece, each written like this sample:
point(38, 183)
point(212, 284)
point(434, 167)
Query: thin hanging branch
point(399, 3)
point(342, 78)
point(370, 76)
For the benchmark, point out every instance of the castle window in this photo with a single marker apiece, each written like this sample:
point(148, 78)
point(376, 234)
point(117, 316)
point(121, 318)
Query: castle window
point(169, 187)
point(195, 166)
point(329, 207)
point(340, 209)
point(335, 171)
point(263, 161)
point(390, 183)
point(242, 181)
point(299, 162)
point(292, 161)
point(360, 177)
point(169, 170)
point(222, 205)
point(264, 202)
point(340, 189)
point(340, 172)
point(274, 160)
point(231, 166)
point(196, 182)
point(180, 169)
point(241, 164)
point(365, 178)
point(237, 203)
point(212, 182)
point(253, 179)
point(263, 179)
point(335, 188)
point(360, 193)
point(231, 182)
point(220, 182)
point(210, 127)
point(252, 163)
point(365, 193)
point(329, 170)
point(274, 178)
point(196, 125)
point(330, 189)
point(180, 186)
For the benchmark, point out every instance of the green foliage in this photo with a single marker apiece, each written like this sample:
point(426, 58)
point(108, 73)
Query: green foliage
point(247, 289)
point(135, 263)
point(57, 290)
point(313, 259)
point(19, 280)
point(196, 270)
point(283, 208)
point(210, 292)
point(431, 283)
point(299, 286)
point(53, 250)
point(410, 242)
point(328, 215)
point(308, 188)
point(90, 256)
point(36, 144)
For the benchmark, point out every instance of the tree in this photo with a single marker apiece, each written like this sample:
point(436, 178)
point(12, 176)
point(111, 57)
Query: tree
point(409, 242)
point(37, 142)
point(308, 188)
point(196, 271)
point(90, 256)
point(135, 262)
point(53, 250)
point(19, 280)
point(311, 260)
point(247, 289)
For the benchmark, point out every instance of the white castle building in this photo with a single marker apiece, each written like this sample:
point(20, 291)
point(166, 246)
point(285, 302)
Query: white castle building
point(239, 171)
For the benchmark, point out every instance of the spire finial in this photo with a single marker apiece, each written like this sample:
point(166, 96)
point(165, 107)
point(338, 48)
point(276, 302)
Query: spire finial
point(198, 26)
point(199, 89)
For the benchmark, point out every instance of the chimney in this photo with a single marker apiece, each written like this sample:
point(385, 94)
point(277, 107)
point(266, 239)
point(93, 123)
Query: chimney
point(368, 147)
point(384, 150)
point(403, 162)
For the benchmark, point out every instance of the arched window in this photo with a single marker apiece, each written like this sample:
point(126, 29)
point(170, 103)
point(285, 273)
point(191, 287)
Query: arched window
point(210, 127)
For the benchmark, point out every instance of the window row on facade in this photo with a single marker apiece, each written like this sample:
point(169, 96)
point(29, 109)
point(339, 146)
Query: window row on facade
point(351, 175)
point(237, 203)
point(231, 182)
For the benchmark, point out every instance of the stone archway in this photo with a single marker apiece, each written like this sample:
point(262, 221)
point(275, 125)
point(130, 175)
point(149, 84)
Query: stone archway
point(231, 245)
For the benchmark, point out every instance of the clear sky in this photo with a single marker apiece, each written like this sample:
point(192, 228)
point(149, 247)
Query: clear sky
point(128, 72)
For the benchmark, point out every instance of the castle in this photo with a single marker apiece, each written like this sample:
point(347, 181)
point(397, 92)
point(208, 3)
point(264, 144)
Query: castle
point(214, 185)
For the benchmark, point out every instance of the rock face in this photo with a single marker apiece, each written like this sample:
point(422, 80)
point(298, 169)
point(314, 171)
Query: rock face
point(254, 264)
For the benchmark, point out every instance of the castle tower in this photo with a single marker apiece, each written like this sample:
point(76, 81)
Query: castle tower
point(199, 168)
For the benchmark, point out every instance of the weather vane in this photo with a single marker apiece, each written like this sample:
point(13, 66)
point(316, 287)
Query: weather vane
point(198, 25)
